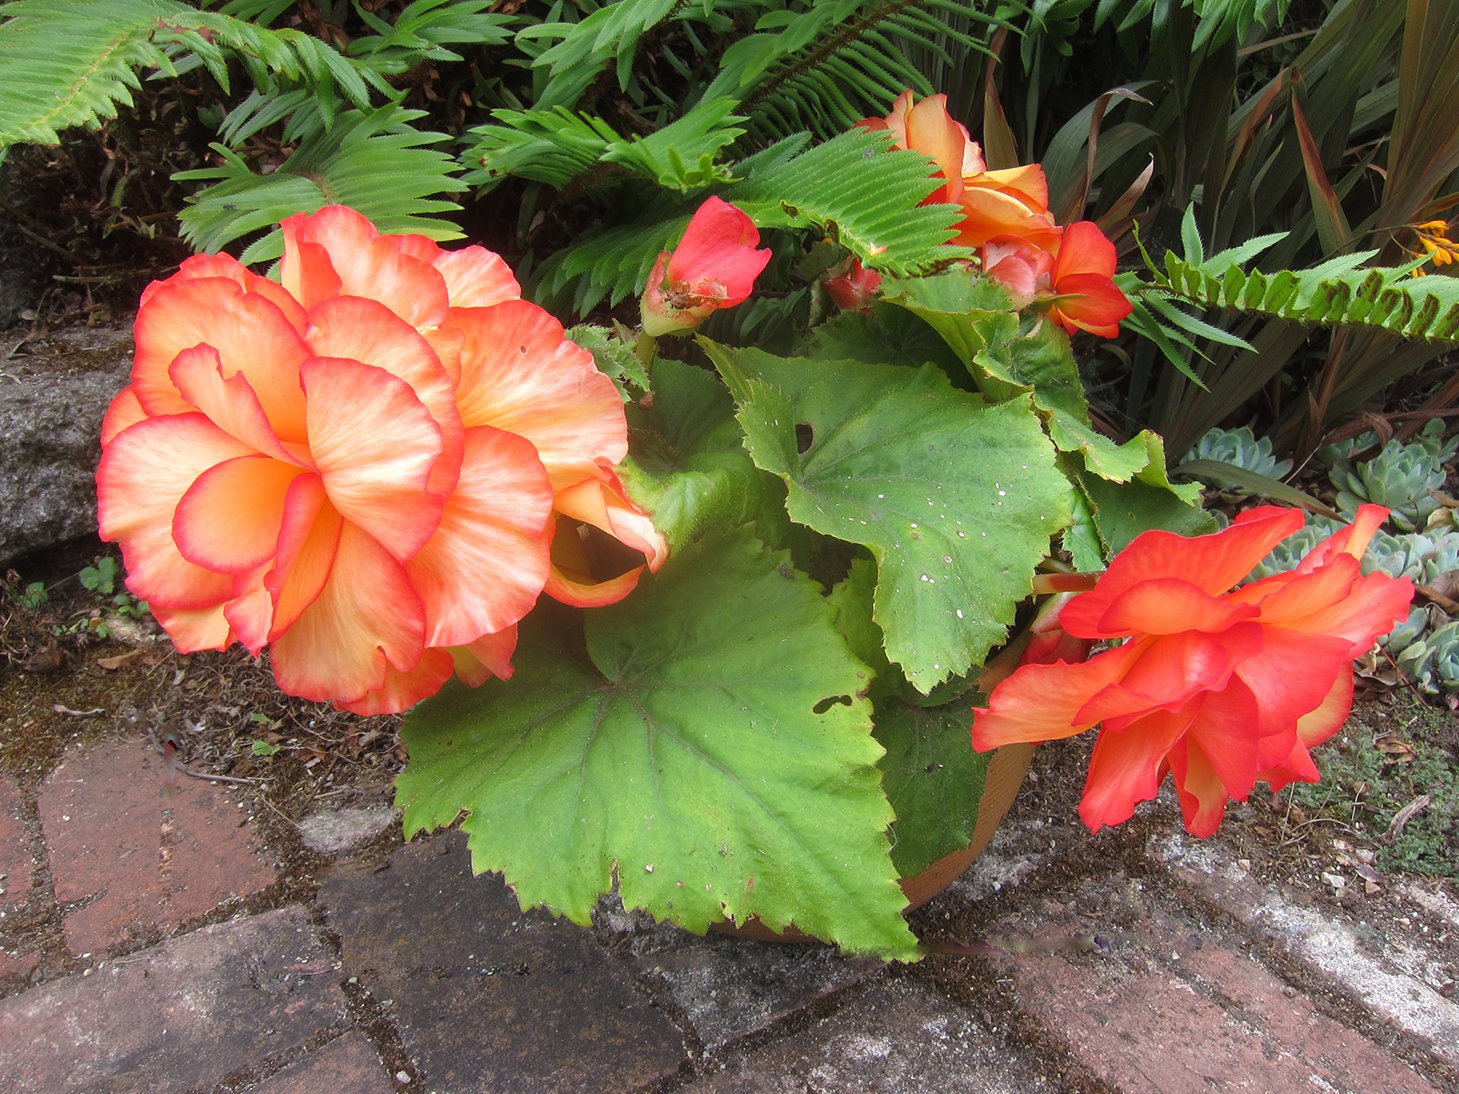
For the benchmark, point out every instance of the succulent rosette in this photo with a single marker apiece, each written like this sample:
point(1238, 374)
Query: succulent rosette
point(374, 466)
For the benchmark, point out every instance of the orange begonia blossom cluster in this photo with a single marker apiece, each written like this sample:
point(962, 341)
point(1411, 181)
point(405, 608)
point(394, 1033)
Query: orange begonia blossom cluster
point(1220, 685)
point(374, 467)
point(1006, 217)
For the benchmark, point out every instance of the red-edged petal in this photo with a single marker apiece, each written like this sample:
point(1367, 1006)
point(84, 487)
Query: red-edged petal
point(366, 620)
point(490, 655)
point(1312, 730)
point(1084, 249)
point(144, 473)
point(226, 266)
point(1335, 600)
point(1042, 702)
point(402, 690)
point(1214, 563)
point(932, 132)
point(1202, 794)
point(1171, 671)
point(488, 560)
point(308, 542)
point(194, 629)
point(230, 517)
point(251, 334)
point(251, 611)
point(229, 401)
point(1169, 605)
point(1290, 677)
point(1090, 302)
point(364, 264)
point(519, 373)
point(1351, 540)
point(375, 445)
point(125, 410)
point(1127, 766)
point(368, 332)
point(476, 278)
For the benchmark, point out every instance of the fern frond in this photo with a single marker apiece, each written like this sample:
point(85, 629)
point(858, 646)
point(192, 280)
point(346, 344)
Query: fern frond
point(70, 63)
point(854, 189)
point(861, 193)
point(556, 146)
point(1340, 292)
point(74, 62)
point(372, 161)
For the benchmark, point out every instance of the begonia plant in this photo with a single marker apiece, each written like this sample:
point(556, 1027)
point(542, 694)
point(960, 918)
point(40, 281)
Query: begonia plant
point(719, 616)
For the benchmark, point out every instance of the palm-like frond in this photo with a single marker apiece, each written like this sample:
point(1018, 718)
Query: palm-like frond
point(374, 161)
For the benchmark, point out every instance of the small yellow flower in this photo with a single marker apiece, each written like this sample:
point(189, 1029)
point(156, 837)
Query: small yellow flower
point(1433, 243)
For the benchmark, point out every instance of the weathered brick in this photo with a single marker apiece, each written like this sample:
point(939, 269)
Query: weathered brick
point(486, 997)
point(896, 1036)
point(182, 1014)
point(1171, 1005)
point(1387, 982)
point(732, 987)
point(143, 847)
point(17, 868)
point(17, 963)
point(346, 1065)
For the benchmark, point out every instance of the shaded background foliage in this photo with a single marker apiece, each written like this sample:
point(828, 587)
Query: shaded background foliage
point(574, 137)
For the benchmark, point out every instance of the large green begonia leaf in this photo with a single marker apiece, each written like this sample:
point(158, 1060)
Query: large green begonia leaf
point(933, 779)
point(955, 499)
point(709, 748)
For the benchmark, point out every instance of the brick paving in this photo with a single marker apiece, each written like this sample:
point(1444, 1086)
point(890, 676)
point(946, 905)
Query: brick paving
point(187, 959)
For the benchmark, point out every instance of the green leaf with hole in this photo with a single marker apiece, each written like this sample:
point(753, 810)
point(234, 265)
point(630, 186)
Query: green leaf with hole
point(706, 744)
point(955, 499)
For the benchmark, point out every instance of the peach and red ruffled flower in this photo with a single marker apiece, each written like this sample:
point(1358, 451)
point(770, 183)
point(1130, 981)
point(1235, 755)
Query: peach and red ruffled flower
point(362, 467)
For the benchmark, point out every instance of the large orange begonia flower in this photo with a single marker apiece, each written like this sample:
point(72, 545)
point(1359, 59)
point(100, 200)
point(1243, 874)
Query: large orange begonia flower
point(362, 467)
point(1012, 202)
point(1220, 686)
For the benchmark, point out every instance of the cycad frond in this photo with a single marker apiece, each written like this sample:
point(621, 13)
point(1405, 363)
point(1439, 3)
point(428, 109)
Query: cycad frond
point(72, 62)
point(373, 161)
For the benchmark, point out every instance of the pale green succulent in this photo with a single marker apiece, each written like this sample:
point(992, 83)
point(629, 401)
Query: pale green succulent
point(1431, 438)
point(1292, 550)
point(1432, 663)
point(1442, 558)
point(1399, 477)
point(1240, 448)
point(1407, 632)
point(1398, 556)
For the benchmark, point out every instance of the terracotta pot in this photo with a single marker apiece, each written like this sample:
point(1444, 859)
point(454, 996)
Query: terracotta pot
point(1006, 769)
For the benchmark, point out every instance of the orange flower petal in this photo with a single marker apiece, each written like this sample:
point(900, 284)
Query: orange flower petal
point(251, 334)
point(476, 278)
point(1214, 563)
point(1126, 767)
point(378, 486)
point(365, 265)
point(194, 629)
point(520, 374)
point(229, 401)
point(1170, 605)
point(230, 517)
point(1042, 702)
point(125, 410)
point(487, 562)
point(1170, 671)
point(366, 620)
point(402, 690)
point(1312, 730)
point(369, 332)
point(144, 473)
point(490, 655)
point(308, 542)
